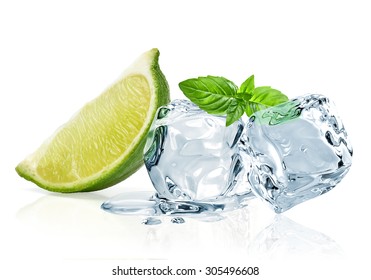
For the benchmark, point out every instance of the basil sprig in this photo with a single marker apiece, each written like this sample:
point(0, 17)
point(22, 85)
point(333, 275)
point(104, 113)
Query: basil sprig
point(220, 96)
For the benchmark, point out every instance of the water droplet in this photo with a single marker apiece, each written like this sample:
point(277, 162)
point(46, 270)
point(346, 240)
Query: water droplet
point(165, 207)
point(177, 220)
point(150, 221)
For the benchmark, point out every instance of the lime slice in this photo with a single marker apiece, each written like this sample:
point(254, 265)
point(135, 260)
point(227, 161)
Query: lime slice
point(103, 143)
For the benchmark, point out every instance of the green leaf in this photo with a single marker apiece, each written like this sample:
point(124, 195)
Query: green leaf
point(264, 97)
point(248, 85)
point(212, 94)
point(243, 96)
point(279, 114)
point(234, 112)
point(220, 96)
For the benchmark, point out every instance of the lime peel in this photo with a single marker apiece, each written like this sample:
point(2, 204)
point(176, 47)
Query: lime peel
point(103, 143)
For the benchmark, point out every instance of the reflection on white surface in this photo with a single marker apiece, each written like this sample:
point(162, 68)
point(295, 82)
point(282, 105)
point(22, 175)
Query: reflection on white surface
point(76, 228)
point(286, 238)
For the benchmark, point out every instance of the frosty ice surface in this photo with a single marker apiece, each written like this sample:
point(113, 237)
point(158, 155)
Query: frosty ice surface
point(299, 150)
point(191, 155)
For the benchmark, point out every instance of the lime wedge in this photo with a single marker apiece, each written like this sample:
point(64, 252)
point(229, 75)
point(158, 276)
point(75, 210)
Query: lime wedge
point(103, 143)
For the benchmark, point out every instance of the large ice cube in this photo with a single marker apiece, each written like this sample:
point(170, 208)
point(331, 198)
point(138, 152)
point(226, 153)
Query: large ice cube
point(191, 155)
point(299, 150)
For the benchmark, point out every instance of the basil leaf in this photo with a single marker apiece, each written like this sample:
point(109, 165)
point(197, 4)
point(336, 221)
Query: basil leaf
point(212, 94)
point(248, 85)
point(264, 97)
point(220, 96)
point(234, 112)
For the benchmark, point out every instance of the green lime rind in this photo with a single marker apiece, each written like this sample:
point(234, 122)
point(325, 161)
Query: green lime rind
point(128, 164)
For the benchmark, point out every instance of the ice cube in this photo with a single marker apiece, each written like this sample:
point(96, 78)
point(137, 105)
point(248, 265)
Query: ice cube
point(191, 155)
point(299, 150)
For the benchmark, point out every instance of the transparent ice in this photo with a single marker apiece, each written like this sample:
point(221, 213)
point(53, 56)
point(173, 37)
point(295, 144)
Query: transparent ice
point(299, 150)
point(286, 154)
point(191, 155)
point(194, 162)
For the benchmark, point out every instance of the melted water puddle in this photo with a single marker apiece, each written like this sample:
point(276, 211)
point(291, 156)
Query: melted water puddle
point(152, 207)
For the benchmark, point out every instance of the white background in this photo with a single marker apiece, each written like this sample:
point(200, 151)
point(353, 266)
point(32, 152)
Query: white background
point(56, 56)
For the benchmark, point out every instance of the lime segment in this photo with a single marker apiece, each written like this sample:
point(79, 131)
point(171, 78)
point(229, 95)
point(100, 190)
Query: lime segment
point(103, 143)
